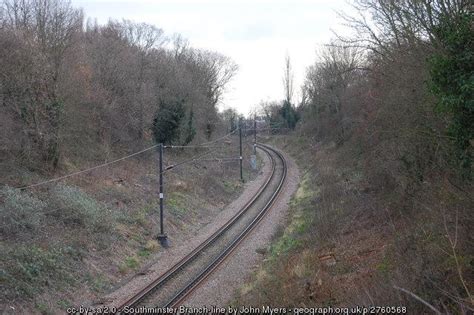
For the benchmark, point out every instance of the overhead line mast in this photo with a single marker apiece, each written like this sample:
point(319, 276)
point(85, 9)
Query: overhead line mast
point(162, 237)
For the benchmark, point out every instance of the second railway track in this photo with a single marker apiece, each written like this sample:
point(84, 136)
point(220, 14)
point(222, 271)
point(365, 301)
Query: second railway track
point(174, 285)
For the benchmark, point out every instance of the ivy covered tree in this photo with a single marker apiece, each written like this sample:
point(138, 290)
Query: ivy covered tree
point(452, 75)
point(189, 130)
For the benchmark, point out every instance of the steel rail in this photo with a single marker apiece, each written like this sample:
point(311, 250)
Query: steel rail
point(186, 260)
point(194, 283)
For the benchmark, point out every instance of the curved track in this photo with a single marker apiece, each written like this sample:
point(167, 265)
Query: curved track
point(173, 286)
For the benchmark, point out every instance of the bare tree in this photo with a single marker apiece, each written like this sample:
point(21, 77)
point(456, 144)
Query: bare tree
point(327, 88)
point(64, 87)
point(144, 38)
point(46, 30)
point(406, 24)
point(288, 80)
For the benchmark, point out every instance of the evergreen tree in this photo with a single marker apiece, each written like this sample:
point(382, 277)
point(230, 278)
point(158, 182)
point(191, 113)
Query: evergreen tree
point(167, 121)
point(289, 114)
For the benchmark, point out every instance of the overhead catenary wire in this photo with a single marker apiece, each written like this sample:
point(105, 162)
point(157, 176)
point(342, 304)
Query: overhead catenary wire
point(190, 160)
point(124, 158)
point(217, 159)
point(88, 169)
point(190, 146)
point(201, 145)
point(221, 138)
point(265, 129)
point(197, 157)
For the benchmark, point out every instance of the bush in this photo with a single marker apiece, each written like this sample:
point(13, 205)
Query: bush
point(28, 269)
point(75, 207)
point(19, 212)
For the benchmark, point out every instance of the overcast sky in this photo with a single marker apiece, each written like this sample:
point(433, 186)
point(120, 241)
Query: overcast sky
point(256, 34)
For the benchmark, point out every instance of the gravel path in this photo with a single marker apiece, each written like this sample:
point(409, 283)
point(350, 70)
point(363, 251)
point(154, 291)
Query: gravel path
point(218, 289)
point(166, 258)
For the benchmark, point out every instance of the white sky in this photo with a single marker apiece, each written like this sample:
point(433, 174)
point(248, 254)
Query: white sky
point(256, 34)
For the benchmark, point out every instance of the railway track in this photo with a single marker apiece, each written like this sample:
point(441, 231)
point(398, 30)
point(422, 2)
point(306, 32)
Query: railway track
point(173, 286)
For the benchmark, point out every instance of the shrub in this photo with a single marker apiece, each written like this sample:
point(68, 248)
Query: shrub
point(19, 211)
point(28, 269)
point(75, 207)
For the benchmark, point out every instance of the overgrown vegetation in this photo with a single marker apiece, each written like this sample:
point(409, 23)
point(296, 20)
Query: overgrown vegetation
point(67, 84)
point(75, 94)
point(452, 82)
point(33, 260)
point(383, 132)
point(385, 142)
point(74, 240)
point(19, 212)
point(30, 268)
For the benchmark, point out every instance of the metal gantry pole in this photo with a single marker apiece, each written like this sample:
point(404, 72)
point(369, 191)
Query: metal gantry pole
point(240, 142)
point(162, 236)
